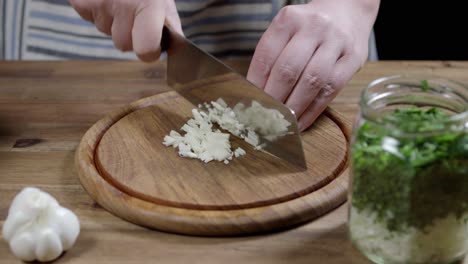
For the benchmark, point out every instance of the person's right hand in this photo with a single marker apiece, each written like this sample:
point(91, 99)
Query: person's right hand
point(133, 24)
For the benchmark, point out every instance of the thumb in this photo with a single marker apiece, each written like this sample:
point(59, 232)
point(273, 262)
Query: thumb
point(147, 30)
point(172, 17)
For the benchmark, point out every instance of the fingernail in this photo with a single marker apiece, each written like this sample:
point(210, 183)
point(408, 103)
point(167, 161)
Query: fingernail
point(300, 125)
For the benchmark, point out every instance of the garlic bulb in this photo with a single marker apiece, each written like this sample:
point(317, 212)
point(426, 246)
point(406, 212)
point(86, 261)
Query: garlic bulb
point(38, 228)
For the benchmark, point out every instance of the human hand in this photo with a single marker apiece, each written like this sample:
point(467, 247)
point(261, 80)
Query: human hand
point(133, 24)
point(309, 53)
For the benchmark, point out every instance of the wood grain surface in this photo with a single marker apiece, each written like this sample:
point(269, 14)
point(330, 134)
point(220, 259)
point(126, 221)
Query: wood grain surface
point(45, 109)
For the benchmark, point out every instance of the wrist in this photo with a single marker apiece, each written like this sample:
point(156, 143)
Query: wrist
point(357, 15)
point(365, 9)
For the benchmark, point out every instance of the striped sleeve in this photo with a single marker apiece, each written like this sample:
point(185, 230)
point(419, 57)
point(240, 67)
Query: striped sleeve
point(2, 29)
point(11, 28)
point(229, 28)
point(53, 30)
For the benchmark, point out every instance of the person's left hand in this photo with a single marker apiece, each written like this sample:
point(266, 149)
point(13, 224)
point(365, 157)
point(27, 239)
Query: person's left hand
point(309, 53)
point(133, 24)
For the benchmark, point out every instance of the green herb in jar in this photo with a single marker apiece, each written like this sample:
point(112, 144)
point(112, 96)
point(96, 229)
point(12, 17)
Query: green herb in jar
point(410, 181)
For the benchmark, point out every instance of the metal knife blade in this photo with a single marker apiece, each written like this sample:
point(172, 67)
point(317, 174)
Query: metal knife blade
point(199, 77)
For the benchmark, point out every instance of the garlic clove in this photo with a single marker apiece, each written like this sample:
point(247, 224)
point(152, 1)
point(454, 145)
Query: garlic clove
point(23, 246)
point(70, 227)
point(48, 246)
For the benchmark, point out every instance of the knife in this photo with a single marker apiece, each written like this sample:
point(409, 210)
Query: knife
point(199, 77)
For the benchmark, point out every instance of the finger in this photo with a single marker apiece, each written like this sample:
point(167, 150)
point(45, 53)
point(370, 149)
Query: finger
point(122, 28)
point(315, 76)
point(344, 70)
point(147, 30)
point(290, 64)
point(172, 18)
point(269, 48)
point(83, 8)
point(103, 18)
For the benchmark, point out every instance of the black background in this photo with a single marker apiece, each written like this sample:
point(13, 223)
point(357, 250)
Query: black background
point(422, 30)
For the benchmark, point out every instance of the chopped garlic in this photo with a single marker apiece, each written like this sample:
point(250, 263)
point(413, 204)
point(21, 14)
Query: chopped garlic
point(270, 123)
point(169, 141)
point(201, 141)
point(239, 152)
point(252, 138)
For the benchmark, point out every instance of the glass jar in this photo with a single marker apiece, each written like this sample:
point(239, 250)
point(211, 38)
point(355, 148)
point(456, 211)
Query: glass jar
point(409, 171)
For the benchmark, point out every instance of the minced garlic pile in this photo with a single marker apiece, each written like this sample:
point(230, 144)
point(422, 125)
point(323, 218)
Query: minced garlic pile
point(202, 141)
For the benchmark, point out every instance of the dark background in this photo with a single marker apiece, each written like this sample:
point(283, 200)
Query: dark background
point(422, 30)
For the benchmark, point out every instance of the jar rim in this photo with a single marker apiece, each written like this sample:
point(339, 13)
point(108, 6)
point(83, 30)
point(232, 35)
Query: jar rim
point(457, 118)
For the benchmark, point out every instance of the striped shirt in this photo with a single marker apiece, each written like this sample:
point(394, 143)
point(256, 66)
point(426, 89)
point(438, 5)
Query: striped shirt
point(53, 30)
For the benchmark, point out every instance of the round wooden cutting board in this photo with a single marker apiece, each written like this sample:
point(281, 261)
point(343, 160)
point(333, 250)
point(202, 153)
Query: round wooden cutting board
point(124, 167)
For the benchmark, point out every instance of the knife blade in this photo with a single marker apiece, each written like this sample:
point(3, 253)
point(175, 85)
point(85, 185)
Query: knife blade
point(200, 77)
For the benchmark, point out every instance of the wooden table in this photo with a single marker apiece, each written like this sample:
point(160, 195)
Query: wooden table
point(45, 107)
